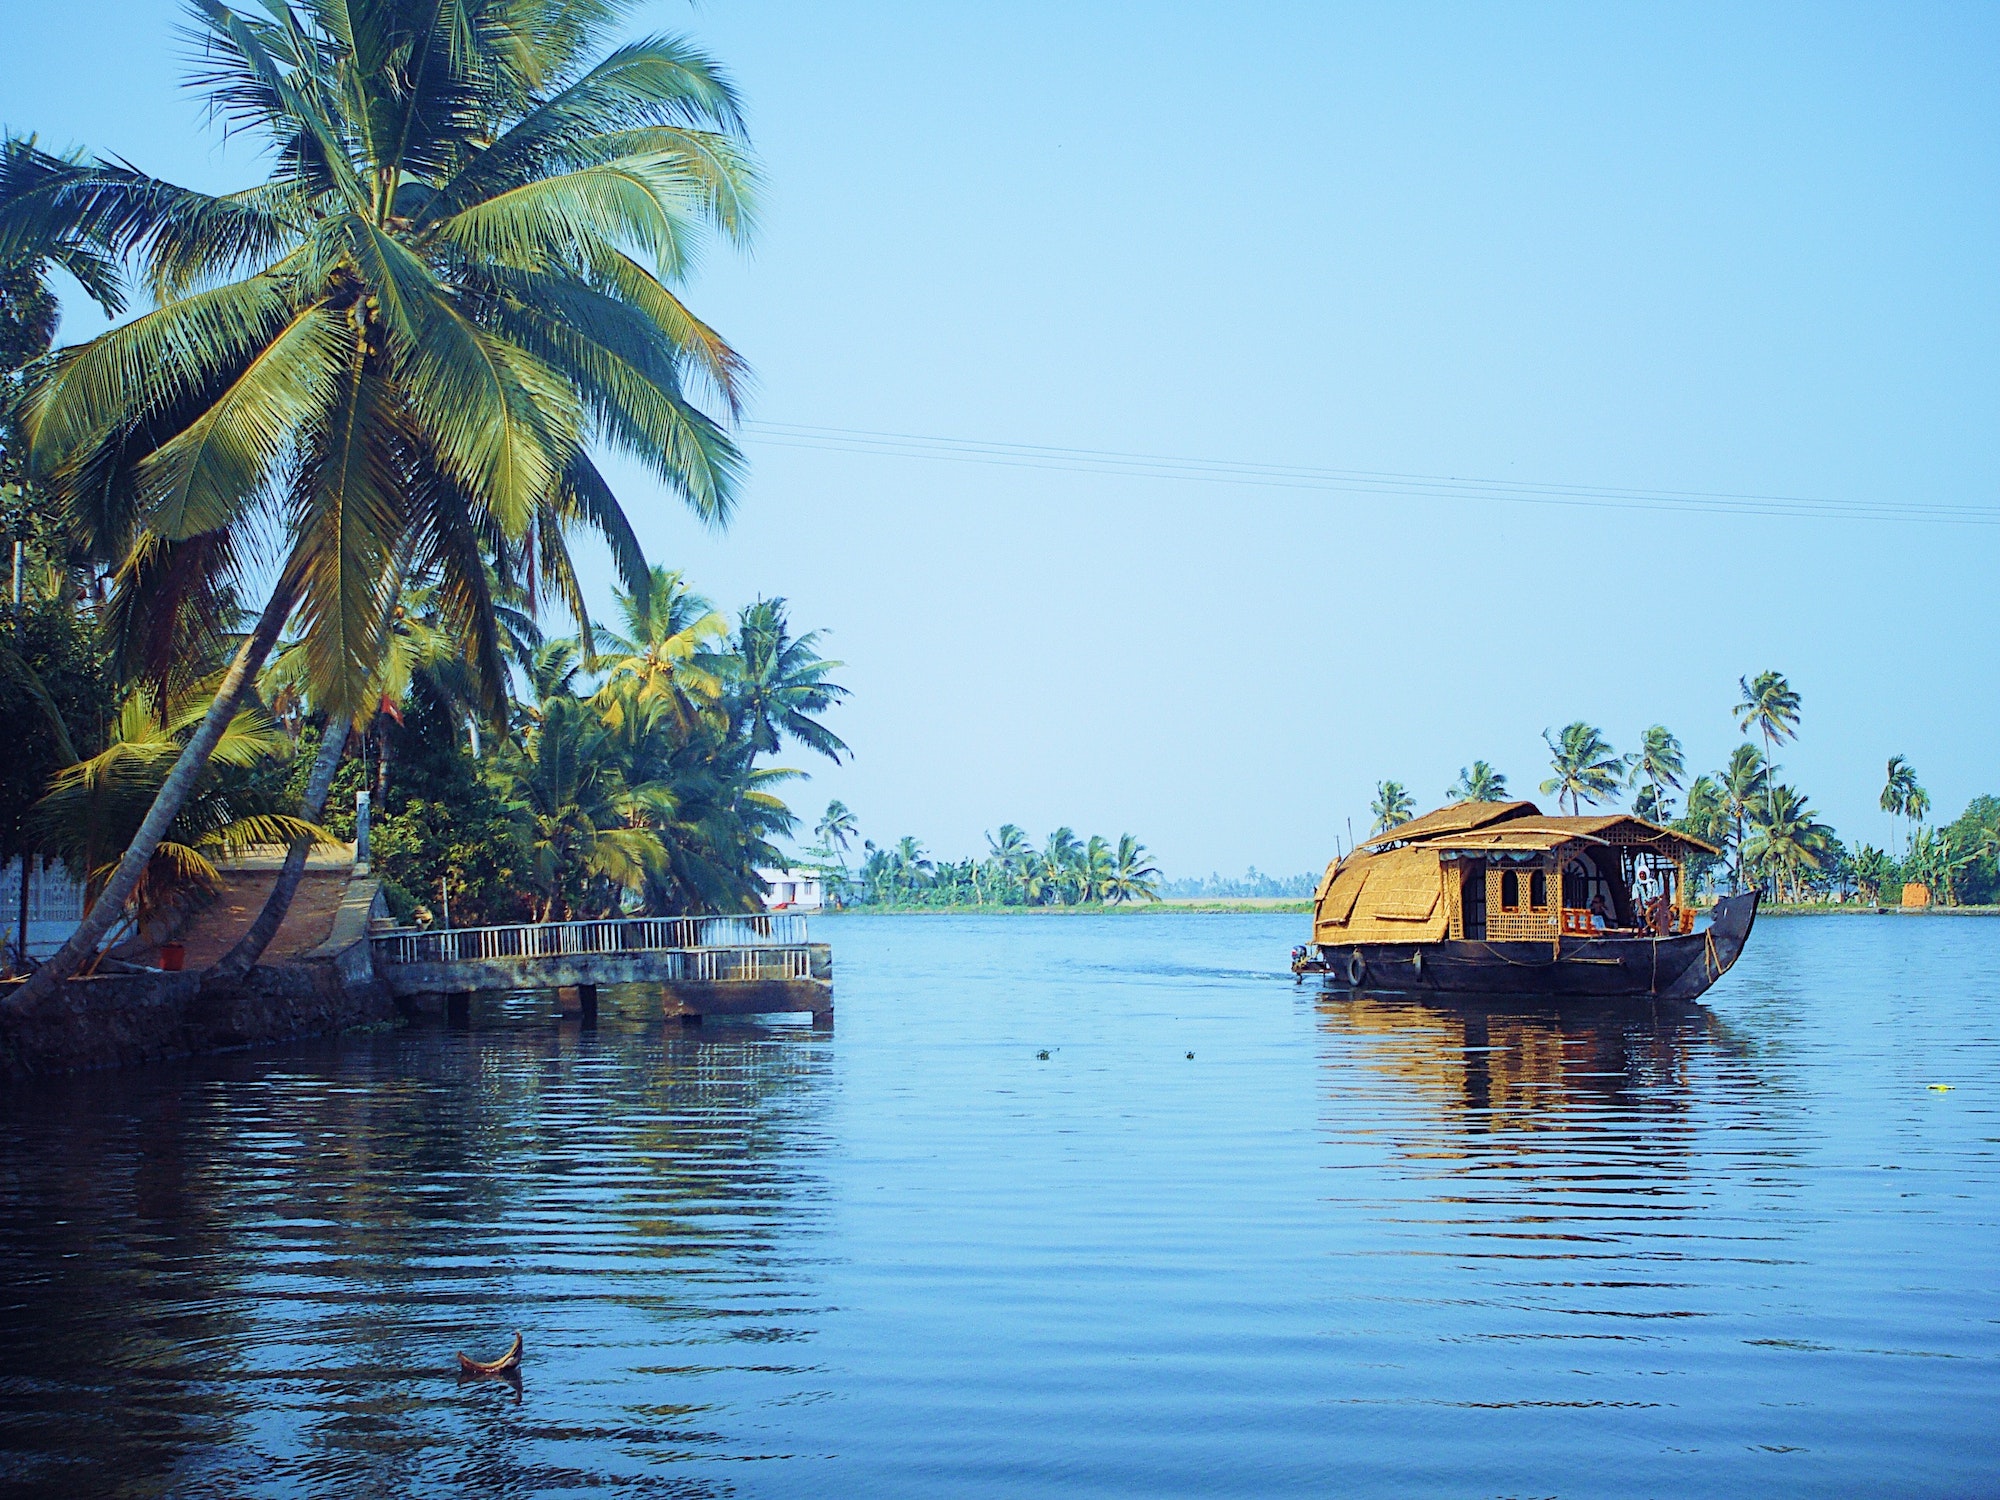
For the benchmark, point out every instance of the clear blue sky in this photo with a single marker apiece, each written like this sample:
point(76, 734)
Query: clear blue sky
point(1727, 248)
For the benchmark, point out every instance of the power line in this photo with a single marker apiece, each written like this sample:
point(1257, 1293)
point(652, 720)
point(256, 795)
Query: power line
point(1353, 481)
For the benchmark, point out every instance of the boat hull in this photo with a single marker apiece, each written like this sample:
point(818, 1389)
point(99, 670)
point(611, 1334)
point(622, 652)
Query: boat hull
point(1681, 967)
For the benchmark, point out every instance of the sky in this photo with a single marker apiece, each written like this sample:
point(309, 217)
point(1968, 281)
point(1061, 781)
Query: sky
point(1578, 250)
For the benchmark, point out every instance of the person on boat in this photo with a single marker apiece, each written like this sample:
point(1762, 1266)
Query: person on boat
point(1600, 919)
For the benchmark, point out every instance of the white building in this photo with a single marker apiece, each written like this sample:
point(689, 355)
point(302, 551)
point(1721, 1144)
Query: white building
point(793, 890)
point(55, 907)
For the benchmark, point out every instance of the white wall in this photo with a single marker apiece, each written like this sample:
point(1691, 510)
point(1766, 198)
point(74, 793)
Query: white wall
point(55, 907)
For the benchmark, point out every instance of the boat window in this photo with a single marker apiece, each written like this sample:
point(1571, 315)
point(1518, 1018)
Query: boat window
point(1538, 891)
point(1510, 891)
point(1576, 884)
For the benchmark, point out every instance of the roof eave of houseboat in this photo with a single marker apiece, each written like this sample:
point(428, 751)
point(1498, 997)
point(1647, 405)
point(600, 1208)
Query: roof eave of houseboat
point(1454, 817)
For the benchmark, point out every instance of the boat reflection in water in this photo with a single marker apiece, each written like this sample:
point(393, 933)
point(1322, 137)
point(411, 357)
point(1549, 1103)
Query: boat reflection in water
point(1549, 1094)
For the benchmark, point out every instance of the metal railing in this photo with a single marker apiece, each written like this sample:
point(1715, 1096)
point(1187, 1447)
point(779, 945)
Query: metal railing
point(761, 962)
point(612, 935)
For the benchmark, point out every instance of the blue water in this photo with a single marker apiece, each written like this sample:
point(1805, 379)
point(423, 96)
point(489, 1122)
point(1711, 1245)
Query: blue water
point(1357, 1247)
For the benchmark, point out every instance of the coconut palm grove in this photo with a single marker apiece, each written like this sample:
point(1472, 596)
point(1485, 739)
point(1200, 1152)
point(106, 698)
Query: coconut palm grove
point(297, 526)
point(1766, 832)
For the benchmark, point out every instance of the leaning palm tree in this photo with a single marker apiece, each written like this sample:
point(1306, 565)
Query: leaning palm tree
point(1586, 768)
point(93, 806)
point(412, 644)
point(456, 276)
point(1770, 704)
point(1656, 768)
point(836, 827)
point(1478, 783)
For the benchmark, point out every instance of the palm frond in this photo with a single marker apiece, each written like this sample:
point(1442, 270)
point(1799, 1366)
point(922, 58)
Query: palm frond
point(208, 472)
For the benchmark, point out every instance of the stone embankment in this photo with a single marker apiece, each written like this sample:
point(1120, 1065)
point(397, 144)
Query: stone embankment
point(115, 1020)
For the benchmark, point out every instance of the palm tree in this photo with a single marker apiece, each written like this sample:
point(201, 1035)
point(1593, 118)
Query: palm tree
point(1393, 806)
point(1769, 703)
point(93, 805)
point(1708, 819)
point(1478, 783)
point(44, 226)
point(1132, 876)
point(778, 683)
point(447, 292)
point(37, 237)
point(1587, 768)
point(1791, 843)
point(909, 864)
point(1010, 846)
point(1902, 797)
point(668, 649)
point(836, 828)
point(1095, 864)
point(589, 830)
point(1656, 767)
point(1746, 775)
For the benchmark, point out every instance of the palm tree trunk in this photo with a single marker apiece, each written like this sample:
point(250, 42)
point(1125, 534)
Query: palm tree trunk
point(110, 904)
point(242, 958)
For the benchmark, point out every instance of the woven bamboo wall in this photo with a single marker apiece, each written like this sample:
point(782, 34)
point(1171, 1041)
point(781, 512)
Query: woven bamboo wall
point(1525, 922)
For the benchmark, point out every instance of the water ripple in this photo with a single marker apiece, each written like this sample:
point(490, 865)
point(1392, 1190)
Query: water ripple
point(1354, 1244)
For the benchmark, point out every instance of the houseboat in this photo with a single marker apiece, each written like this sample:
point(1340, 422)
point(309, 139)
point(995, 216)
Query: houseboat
point(1494, 898)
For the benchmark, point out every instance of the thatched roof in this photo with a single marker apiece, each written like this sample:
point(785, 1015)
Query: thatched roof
point(1522, 825)
point(1455, 817)
point(1391, 889)
point(1394, 896)
point(1616, 828)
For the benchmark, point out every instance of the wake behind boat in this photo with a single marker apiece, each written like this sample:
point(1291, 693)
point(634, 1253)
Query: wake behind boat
point(1494, 898)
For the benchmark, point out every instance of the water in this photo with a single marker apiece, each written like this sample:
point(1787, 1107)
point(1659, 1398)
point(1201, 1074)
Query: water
point(1354, 1247)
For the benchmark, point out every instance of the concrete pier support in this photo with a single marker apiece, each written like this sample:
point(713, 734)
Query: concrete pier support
point(458, 1008)
point(578, 1001)
point(688, 1000)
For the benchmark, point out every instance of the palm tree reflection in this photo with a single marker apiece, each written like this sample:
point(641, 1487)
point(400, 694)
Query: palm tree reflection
point(258, 1269)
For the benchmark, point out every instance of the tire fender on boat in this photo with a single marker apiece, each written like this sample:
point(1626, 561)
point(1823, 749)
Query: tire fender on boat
point(1357, 968)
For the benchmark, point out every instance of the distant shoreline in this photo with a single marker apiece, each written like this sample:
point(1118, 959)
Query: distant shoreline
point(1860, 909)
point(1170, 905)
point(1265, 905)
